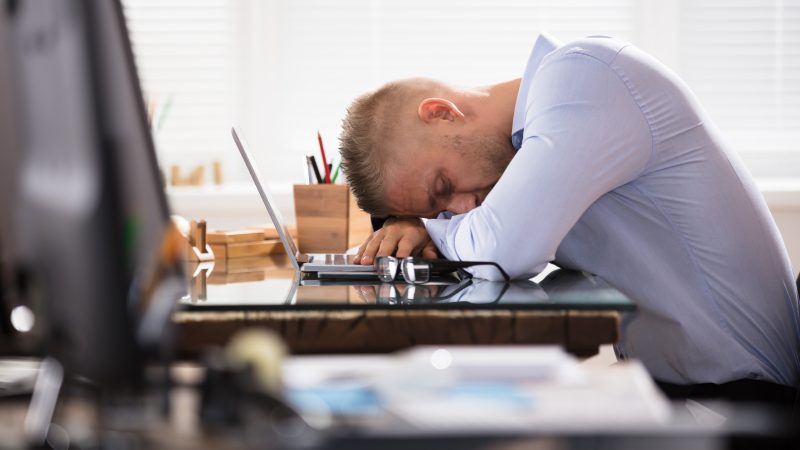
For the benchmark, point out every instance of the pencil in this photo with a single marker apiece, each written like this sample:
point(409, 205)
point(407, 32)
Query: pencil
point(324, 160)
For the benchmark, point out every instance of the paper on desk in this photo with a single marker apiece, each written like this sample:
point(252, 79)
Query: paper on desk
point(475, 389)
point(489, 379)
point(420, 365)
point(496, 363)
point(464, 375)
point(619, 398)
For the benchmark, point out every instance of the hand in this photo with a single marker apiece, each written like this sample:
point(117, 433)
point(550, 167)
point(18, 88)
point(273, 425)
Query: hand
point(398, 237)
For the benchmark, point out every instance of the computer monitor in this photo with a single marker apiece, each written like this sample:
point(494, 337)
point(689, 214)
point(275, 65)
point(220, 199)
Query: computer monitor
point(84, 213)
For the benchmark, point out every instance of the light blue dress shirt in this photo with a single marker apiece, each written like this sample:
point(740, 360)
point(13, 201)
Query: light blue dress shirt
point(621, 173)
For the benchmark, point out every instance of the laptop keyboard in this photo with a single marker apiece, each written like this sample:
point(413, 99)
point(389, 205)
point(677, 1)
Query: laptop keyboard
point(335, 258)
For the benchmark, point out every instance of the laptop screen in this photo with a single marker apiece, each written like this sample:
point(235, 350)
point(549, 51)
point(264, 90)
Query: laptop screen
point(266, 197)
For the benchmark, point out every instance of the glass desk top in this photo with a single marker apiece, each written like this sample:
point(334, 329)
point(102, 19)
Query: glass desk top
point(558, 290)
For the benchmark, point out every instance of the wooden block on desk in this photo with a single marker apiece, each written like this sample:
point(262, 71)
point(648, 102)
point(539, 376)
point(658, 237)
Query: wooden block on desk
point(262, 248)
point(247, 249)
point(220, 250)
point(219, 176)
point(276, 266)
point(234, 237)
point(241, 277)
point(270, 232)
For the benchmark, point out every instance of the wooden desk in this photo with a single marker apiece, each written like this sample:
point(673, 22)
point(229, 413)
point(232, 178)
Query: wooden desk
point(357, 330)
point(580, 332)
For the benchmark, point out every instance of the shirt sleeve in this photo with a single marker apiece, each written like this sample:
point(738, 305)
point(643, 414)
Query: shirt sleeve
point(584, 136)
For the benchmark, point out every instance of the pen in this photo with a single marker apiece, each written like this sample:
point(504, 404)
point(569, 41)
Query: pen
point(309, 172)
point(336, 172)
point(313, 163)
point(324, 160)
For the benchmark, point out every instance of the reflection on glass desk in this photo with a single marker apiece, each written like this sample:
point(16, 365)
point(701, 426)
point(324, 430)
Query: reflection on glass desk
point(577, 311)
point(561, 289)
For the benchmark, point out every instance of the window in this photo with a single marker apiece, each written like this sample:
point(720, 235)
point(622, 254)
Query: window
point(742, 59)
point(188, 56)
point(286, 68)
point(322, 54)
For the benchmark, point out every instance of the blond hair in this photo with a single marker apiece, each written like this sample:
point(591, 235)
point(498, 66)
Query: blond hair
point(373, 123)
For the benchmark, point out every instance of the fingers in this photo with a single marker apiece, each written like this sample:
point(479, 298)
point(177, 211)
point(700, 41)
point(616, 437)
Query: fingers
point(429, 251)
point(388, 245)
point(382, 243)
point(361, 248)
point(405, 247)
point(400, 238)
point(369, 251)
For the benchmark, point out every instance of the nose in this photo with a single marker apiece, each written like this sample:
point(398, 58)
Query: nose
point(461, 203)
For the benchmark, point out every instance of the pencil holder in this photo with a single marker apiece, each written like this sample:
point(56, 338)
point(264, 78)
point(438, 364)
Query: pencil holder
point(328, 219)
point(321, 213)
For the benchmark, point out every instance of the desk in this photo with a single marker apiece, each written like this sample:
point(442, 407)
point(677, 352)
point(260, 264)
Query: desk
point(570, 309)
point(138, 422)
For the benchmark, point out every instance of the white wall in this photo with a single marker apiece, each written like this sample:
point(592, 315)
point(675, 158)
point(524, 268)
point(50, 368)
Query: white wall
point(788, 220)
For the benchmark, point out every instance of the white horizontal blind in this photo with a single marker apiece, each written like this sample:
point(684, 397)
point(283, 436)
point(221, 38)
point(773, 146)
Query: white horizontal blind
point(742, 59)
point(187, 50)
point(331, 51)
point(301, 62)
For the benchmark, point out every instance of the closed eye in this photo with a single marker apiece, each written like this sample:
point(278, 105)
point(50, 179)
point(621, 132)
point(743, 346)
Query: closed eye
point(439, 195)
point(442, 187)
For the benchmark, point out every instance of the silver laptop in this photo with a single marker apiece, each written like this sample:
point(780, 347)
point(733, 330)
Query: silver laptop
point(326, 265)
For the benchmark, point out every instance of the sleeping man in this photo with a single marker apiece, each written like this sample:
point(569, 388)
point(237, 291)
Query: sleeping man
point(598, 159)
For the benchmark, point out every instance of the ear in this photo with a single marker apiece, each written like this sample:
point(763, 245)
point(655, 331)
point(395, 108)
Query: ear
point(432, 109)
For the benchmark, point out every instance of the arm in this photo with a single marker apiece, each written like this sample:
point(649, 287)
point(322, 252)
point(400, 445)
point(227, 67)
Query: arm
point(584, 136)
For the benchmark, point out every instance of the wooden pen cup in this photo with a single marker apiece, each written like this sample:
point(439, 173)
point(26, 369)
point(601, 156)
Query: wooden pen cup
point(328, 219)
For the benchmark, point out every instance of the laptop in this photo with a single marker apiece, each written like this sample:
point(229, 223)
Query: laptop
point(324, 265)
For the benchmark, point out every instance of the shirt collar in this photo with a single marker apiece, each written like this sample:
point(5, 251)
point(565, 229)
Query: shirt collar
point(544, 44)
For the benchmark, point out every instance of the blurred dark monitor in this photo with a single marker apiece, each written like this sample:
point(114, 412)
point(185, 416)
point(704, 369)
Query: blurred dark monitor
point(83, 209)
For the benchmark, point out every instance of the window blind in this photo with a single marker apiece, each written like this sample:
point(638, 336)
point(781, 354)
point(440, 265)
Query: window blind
point(286, 68)
point(742, 59)
point(187, 55)
point(330, 52)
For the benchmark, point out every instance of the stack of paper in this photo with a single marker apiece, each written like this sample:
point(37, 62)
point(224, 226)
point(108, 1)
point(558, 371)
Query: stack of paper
point(480, 389)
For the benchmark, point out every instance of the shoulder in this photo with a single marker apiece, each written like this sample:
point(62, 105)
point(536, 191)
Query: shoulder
point(602, 53)
point(604, 49)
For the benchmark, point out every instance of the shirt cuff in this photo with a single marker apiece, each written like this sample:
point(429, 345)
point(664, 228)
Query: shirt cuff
point(437, 229)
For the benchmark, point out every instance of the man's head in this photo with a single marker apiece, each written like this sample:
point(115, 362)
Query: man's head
point(419, 147)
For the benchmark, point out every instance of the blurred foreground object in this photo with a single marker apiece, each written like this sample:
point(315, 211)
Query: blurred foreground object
point(84, 219)
point(243, 397)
